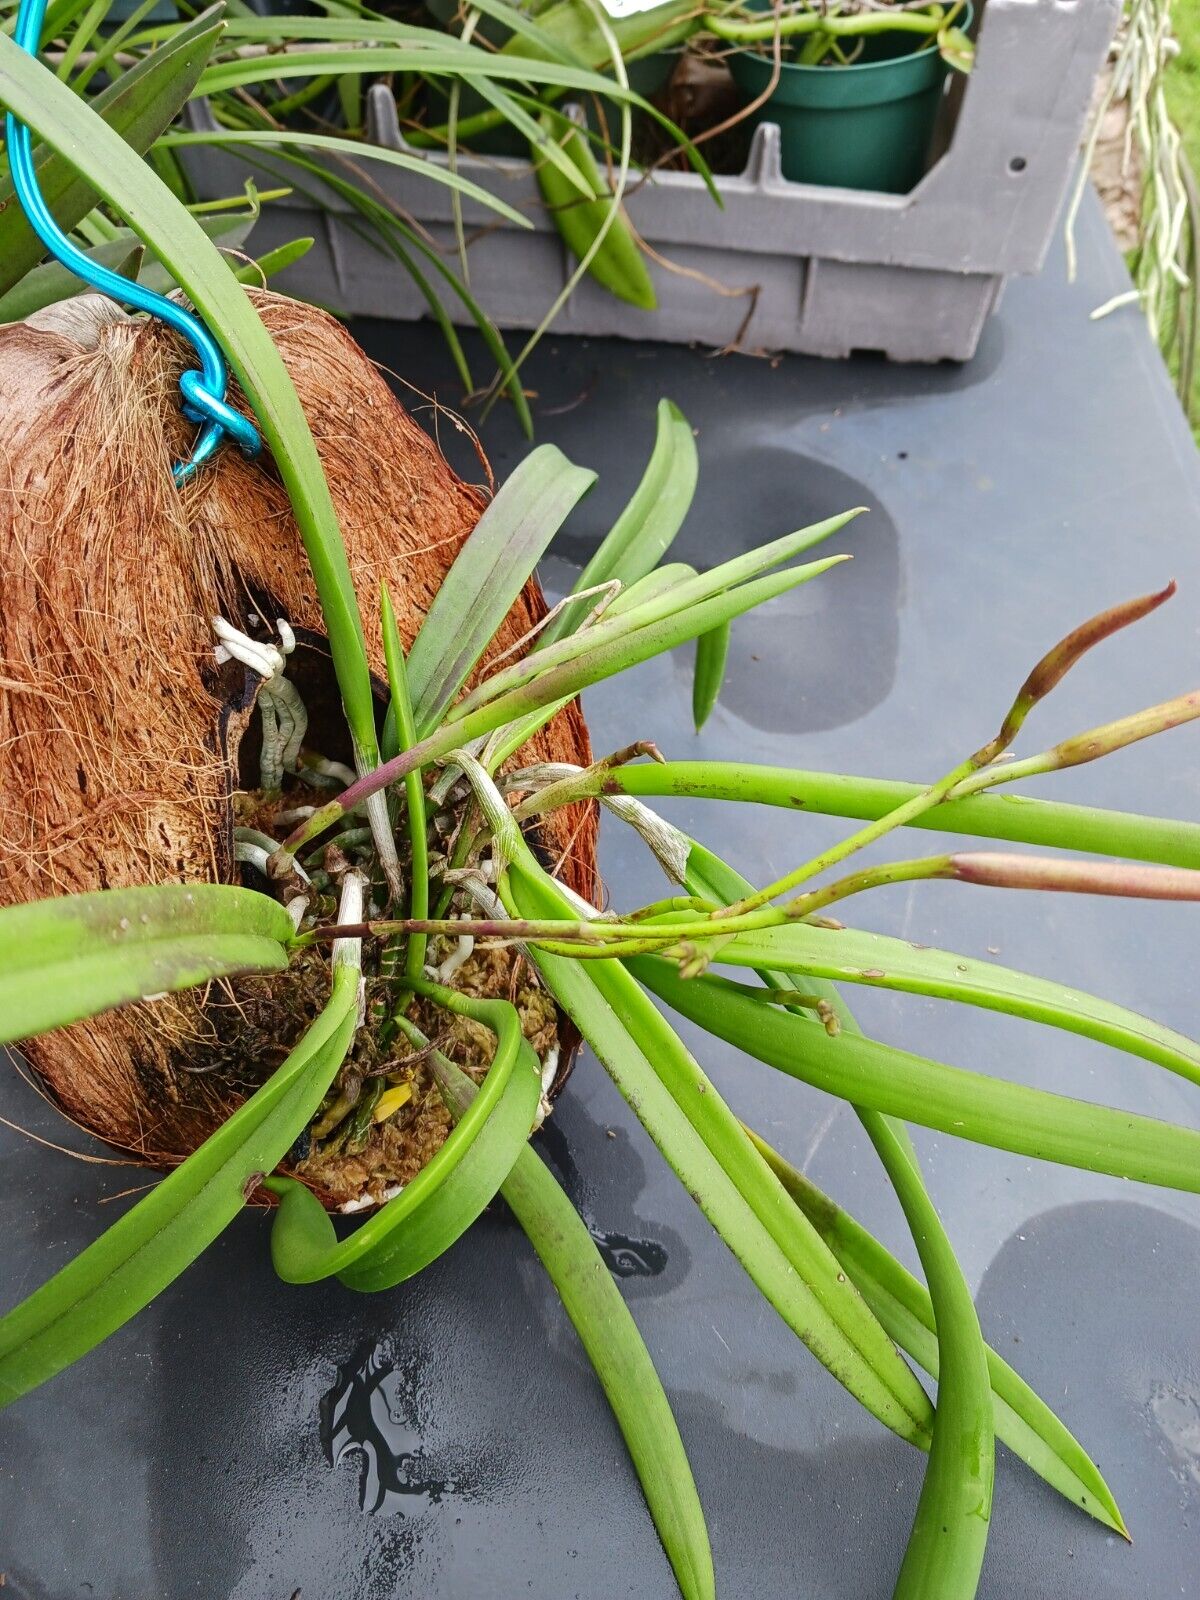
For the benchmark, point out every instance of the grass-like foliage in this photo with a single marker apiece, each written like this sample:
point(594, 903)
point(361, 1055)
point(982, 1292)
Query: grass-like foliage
point(288, 96)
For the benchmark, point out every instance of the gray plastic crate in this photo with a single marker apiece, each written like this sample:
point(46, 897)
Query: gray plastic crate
point(783, 266)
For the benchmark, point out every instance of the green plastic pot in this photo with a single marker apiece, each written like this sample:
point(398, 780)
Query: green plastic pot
point(865, 126)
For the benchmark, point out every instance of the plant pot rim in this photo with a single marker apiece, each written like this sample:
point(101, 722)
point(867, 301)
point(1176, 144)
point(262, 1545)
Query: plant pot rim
point(919, 69)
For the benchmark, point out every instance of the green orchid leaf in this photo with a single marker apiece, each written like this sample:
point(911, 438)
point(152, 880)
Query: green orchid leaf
point(639, 591)
point(662, 581)
point(561, 671)
point(1022, 1419)
point(51, 283)
point(625, 644)
point(967, 1105)
point(450, 1191)
point(712, 652)
point(573, 165)
point(569, 31)
point(944, 1555)
point(138, 106)
point(163, 1234)
point(847, 956)
point(945, 1549)
point(65, 959)
point(81, 37)
point(434, 55)
point(610, 1337)
point(400, 733)
point(343, 149)
point(702, 1141)
point(646, 528)
point(131, 263)
point(552, 36)
point(623, 1366)
point(266, 266)
point(1018, 818)
point(380, 228)
point(715, 596)
point(616, 261)
point(381, 45)
point(957, 49)
point(537, 40)
point(446, 57)
point(488, 574)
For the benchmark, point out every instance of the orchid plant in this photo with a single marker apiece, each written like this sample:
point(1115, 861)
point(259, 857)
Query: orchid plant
point(430, 839)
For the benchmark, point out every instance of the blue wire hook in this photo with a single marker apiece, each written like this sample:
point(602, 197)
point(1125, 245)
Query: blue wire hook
point(204, 390)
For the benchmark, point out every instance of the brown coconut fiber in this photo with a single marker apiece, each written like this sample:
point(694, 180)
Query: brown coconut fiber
point(119, 734)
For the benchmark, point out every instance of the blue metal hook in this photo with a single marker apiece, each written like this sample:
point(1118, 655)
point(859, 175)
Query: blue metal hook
point(203, 390)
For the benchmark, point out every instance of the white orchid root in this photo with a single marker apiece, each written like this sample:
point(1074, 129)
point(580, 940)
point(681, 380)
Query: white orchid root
point(284, 718)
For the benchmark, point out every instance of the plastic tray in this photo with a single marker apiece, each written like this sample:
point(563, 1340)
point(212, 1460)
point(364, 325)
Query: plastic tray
point(782, 266)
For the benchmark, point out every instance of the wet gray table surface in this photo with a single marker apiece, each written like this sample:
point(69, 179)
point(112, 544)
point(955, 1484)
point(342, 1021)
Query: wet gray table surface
point(249, 1440)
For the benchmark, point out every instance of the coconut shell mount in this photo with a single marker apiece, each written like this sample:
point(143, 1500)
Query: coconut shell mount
point(120, 735)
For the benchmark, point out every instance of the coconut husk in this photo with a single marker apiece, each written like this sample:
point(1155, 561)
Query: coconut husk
point(119, 734)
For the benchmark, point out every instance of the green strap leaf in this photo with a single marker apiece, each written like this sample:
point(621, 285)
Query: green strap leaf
point(569, 31)
point(542, 679)
point(358, 149)
point(522, 729)
point(423, 51)
point(382, 230)
point(1017, 818)
point(622, 1363)
point(662, 581)
point(946, 1546)
point(273, 261)
point(552, 36)
point(138, 106)
point(619, 264)
point(625, 644)
point(704, 1144)
point(660, 602)
point(614, 1347)
point(65, 959)
point(526, 31)
point(164, 1233)
point(646, 528)
point(967, 1105)
point(488, 574)
point(435, 55)
point(726, 590)
point(957, 49)
point(847, 956)
point(400, 733)
point(566, 163)
point(944, 1555)
point(447, 1195)
point(712, 652)
point(50, 283)
point(1022, 1419)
